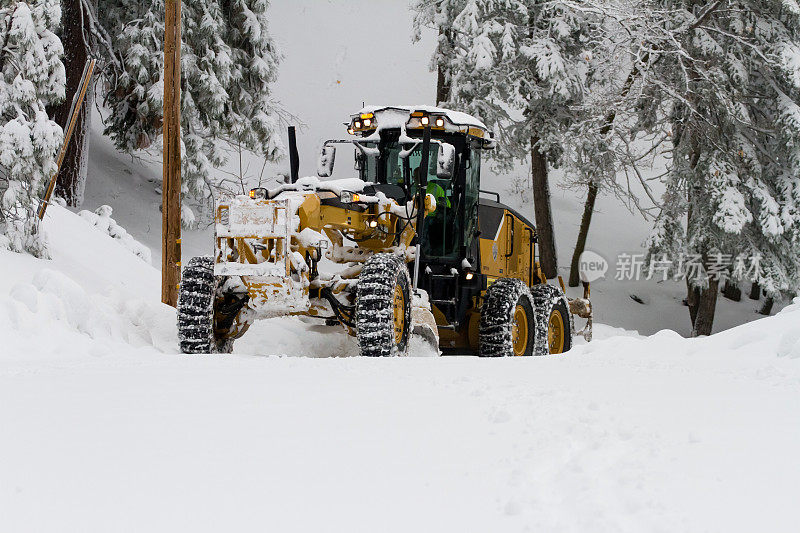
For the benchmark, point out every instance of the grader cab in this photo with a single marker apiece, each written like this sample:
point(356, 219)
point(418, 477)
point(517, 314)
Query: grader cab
point(408, 247)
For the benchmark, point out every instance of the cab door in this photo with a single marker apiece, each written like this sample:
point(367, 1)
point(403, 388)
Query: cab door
point(519, 251)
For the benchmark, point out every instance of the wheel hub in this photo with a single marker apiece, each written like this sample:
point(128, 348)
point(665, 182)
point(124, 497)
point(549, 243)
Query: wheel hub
point(519, 331)
point(399, 314)
point(555, 332)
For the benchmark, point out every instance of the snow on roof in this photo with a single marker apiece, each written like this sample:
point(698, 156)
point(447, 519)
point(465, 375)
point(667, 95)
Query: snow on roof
point(456, 117)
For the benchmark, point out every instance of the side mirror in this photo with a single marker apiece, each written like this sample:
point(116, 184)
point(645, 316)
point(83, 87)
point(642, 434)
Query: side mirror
point(446, 161)
point(326, 159)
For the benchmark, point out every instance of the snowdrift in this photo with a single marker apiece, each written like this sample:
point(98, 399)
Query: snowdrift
point(94, 296)
point(107, 428)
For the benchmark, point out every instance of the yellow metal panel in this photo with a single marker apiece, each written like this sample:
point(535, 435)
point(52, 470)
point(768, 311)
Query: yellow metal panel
point(309, 212)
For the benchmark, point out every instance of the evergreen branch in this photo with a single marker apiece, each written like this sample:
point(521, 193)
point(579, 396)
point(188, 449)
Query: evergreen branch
point(99, 33)
point(4, 49)
point(705, 15)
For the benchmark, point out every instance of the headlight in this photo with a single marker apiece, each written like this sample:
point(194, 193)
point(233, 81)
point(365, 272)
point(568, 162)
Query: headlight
point(348, 197)
point(259, 193)
point(362, 123)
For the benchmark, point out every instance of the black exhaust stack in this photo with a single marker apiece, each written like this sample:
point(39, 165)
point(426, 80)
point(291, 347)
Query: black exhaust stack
point(294, 158)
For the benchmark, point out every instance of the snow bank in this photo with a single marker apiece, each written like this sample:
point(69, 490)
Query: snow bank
point(102, 221)
point(55, 315)
point(93, 297)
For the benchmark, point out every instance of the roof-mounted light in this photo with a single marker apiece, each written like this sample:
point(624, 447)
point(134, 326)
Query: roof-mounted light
point(422, 119)
point(362, 123)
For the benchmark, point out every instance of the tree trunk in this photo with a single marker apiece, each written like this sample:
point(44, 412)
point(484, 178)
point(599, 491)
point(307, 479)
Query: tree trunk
point(543, 212)
point(583, 232)
point(442, 83)
point(731, 291)
point(442, 87)
point(755, 291)
point(706, 307)
point(766, 309)
point(692, 301)
point(71, 180)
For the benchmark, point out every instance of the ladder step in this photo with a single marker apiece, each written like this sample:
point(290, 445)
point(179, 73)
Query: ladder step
point(451, 301)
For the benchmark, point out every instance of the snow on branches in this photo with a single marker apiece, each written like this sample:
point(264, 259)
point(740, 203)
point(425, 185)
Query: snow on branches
point(31, 76)
point(228, 62)
point(728, 81)
point(518, 65)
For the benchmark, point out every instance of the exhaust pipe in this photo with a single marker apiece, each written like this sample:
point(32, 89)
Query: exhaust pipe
point(294, 158)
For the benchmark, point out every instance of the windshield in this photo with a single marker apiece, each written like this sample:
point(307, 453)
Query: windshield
point(443, 227)
point(397, 169)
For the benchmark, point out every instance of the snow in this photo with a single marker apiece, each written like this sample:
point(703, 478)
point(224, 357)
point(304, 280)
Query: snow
point(456, 117)
point(108, 428)
point(102, 221)
point(313, 183)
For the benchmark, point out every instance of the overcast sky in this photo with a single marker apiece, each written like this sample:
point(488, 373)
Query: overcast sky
point(340, 53)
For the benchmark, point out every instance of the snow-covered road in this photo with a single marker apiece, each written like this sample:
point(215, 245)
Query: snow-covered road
point(622, 435)
point(106, 428)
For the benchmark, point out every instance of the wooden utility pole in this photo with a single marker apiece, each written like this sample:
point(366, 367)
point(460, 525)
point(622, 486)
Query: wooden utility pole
point(171, 188)
point(75, 109)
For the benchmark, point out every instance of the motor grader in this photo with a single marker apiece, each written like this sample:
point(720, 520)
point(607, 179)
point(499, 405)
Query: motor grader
point(410, 246)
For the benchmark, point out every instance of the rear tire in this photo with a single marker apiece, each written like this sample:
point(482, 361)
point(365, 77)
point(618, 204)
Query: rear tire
point(383, 307)
point(553, 324)
point(196, 298)
point(507, 323)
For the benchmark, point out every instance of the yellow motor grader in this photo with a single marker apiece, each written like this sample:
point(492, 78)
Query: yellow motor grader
point(409, 247)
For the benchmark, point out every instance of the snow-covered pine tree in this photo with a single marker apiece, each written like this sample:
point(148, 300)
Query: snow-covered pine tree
point(727, 74)
point(31, 76)
point(440, 15)
point(519, 65)
point(228, 62)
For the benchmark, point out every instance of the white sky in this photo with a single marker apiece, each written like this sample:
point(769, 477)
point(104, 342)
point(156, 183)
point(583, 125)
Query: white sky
point(340, 53)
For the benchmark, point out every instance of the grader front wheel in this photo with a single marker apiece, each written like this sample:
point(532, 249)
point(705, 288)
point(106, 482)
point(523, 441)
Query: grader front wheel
point(206, 313)
point(196, 297)
point(383, 307)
